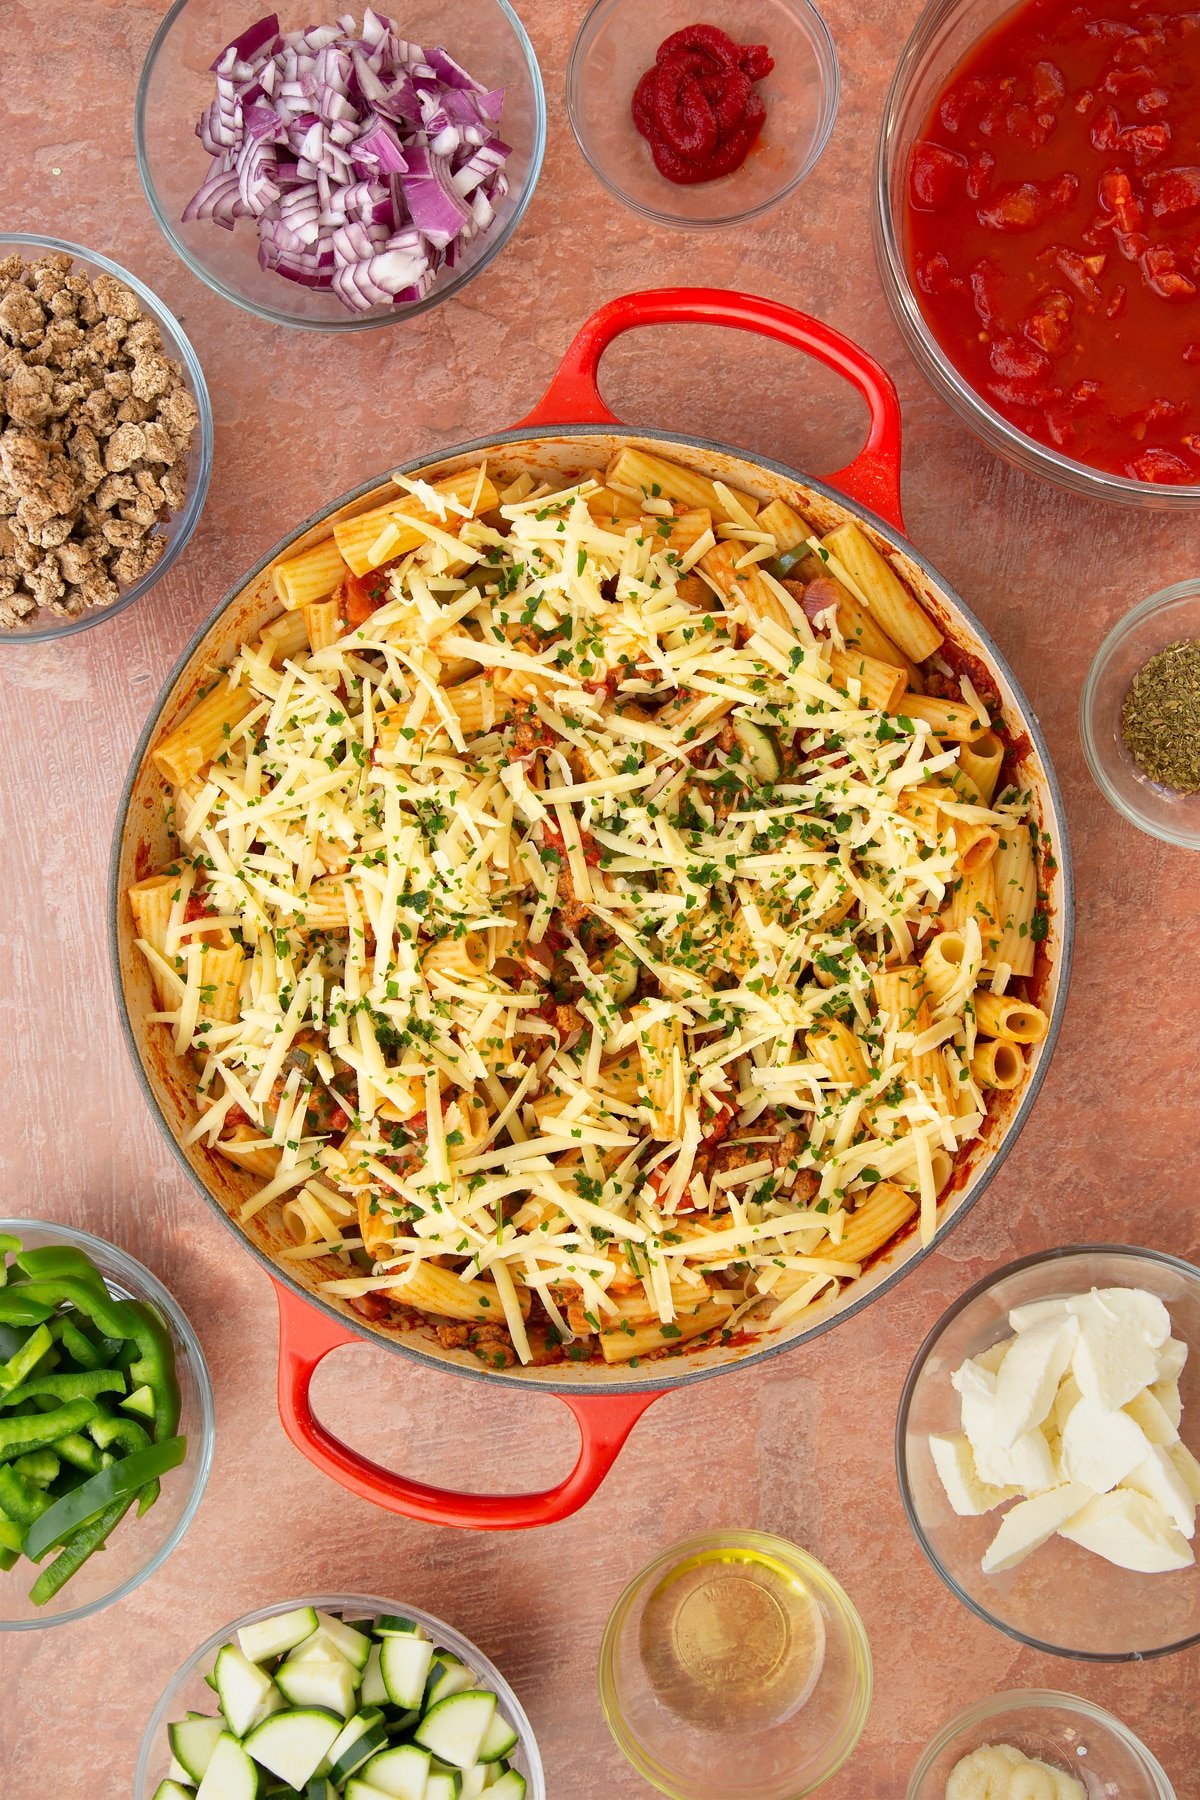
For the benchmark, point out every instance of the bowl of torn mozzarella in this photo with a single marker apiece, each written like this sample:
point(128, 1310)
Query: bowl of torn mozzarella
point(1045, 1451)
point(1034, 1744)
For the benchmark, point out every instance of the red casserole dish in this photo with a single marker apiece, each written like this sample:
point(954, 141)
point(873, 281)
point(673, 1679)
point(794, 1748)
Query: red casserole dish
point(571, 428)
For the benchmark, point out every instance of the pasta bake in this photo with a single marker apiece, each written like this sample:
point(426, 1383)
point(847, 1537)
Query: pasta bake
point(602, 916)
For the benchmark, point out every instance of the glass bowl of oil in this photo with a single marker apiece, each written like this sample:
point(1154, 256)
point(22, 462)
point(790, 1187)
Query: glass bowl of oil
point(734, 1667)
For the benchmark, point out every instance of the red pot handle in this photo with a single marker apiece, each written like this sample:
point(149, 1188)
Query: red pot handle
point(307, 1335)
point(873, 478)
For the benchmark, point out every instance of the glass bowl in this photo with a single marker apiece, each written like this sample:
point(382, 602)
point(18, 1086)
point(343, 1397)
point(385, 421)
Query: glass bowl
point(180, 526)
point(1165, 618)
point(734, 1667)
point(1061, 1599)
point(187, 1690)
point(1081, 1739)
point(485, 36)
point(138, 1547)
point(615, 46)
point(945, 33)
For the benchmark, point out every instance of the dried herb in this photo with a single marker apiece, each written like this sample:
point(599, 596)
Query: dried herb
point(1160, 719)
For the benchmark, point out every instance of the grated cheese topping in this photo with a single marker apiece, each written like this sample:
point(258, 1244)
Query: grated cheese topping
point(543, 876)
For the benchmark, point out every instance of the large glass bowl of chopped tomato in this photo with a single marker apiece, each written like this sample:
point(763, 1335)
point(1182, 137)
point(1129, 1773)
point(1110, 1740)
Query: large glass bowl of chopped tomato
point(1037, 229)
point(766, 144)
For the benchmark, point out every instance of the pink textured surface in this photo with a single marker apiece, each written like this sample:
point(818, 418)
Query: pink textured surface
point(803, 1446)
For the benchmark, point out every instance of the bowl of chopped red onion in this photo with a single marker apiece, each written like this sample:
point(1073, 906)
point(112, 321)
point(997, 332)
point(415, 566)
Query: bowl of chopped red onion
point(339, 173)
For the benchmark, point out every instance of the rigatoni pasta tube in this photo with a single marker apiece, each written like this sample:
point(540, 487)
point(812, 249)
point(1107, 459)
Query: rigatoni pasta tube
point(1015, 898)
point(641, 473)
point(981, 759)
point(357, 538)
point(952, 719)
point(974, 897)
point(244, 1146)
point(456, 956)
point(609, 508)
point(661, 1049)
point(839, 1052)
point(322, 623)
point(622, 1343)
point(902, 996)
point(192, 745)
point(941, 964)
point(433, 1289)
point(621, 1079)
point(1003, 1016)
point(898, 613)
point(284, 637)
point(220, 982)
point(880, 684)
point(857, 628)
point(883, 1213)
point(151, 902)
point(974, 843)
point(748, 585)
point(785, 525)
point(309, 576)
point(997, 1064)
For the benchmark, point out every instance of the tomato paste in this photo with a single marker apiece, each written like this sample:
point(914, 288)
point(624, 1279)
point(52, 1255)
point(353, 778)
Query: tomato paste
point(1054, 229)
point(697, 107)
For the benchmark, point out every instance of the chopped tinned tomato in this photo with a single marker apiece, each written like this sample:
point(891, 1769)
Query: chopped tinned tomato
point(1054, 229)
point(361, 595)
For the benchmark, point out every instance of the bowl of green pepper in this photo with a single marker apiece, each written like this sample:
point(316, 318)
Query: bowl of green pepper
point(106, 1424)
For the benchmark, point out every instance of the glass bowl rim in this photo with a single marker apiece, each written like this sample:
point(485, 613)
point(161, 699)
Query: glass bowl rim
point(188, 514)
point(626, 1740)
point(150, 1287)
point(997, 432)
point(1037, 1699)
point(1039, 1257)
point(829, 67)
point(1109, 644)
point(371, 1605)
point(459, 279)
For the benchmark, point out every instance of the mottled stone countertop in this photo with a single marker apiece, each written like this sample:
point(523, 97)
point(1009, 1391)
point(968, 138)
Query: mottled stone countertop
point(802, 1446)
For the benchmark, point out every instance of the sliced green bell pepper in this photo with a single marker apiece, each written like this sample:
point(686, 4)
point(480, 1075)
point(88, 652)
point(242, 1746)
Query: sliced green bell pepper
point(38, 1344)
point(121, 1482)
point(75, 1552)
point(19, 1307)
point(79, 1451)
point(38, 1431)
point(39, 1466)
point(20, 1500)
point(75, 1384)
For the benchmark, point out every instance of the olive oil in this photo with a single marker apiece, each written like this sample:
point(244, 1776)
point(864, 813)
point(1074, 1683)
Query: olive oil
point(732, 1639)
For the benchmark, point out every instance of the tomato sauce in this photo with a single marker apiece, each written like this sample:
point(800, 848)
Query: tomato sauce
point(1053, 212)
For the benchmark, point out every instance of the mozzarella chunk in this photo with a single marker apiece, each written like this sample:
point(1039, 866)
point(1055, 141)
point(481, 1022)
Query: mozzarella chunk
point(967, 1493)
point(1113, 1359)
point(1028, 1378)
point(1188, 1467)
point(1129, 1530)
point(1171, 1359)
point(1100, 1447)
point(1152, 1417)
point(1157, 1477)
point(1032, 1523)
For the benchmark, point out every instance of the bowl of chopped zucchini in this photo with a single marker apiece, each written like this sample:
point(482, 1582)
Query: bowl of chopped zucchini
point(336, 1696)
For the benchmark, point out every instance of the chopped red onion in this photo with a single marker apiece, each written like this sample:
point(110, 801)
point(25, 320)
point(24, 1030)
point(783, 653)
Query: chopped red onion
point(367, 162)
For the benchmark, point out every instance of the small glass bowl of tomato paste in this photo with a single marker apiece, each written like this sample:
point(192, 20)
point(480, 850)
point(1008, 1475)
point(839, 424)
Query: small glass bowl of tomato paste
point(1037, 229)
point(618, 42)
